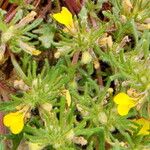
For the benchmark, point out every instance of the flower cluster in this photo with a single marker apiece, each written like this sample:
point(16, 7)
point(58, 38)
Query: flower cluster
point(77, 78)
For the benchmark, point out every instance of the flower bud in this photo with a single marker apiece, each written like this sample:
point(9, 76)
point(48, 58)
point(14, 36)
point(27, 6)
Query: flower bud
point(123, 19)
point(80, 140)
point(102, 118)
point(110, 90)
point(86, 57)
point(112, 128)
point(109, 41)
point(46, 106)
point(20, 85)
point(57, 55)
point(96, 64)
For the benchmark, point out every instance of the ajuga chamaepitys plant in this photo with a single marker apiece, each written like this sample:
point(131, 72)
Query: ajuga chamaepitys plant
point(74, 75)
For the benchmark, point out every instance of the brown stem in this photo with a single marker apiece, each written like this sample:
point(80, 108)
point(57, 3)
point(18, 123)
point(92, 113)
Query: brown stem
point(75, 57)
point(6, 88)
point(5, 4)
point(122, 43)
point(36, 3)
point(29, 1)
point(1, 2)
point(5, 98)
point(74, 6)
point(45, 10)
point(4, 94)
point(93, 21)
point(11, 13)
point(99, 77)
point(12, 7)
point(2, 127)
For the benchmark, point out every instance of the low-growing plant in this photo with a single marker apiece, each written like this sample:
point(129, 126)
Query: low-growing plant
point(75, 75)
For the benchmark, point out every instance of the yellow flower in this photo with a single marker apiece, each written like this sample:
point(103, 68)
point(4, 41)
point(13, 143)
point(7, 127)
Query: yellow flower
point(125, 103)
point(145, 130)
point(15, 121)
point(64, 17)
point(36, 52)
point(68, 97)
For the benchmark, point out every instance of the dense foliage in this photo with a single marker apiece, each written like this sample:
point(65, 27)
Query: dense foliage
point(75, 74)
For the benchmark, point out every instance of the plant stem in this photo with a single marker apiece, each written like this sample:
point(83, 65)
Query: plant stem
point(75, 57)
point(98, 70)
point(45, 10)
point(5, 4)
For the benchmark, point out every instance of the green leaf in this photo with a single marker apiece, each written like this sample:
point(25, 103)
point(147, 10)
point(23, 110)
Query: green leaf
point(18, 2)
point(9, 106)
point(83, 15)
point(17, 17)
point(33, 25)
point(3, 26)
point(46, 40)
point(46, 35)
point(2, 145)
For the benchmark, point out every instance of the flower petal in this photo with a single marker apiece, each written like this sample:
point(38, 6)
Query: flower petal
point(15, 121)
point(132, 103)
point(64, 17)
point(9, 119)
point(123, 99)
point(17, 128)
point(123, 109)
